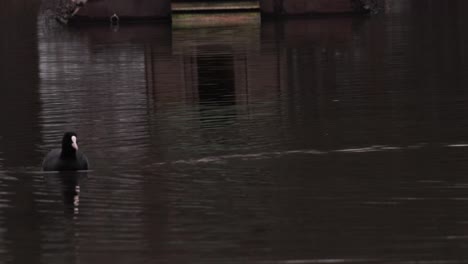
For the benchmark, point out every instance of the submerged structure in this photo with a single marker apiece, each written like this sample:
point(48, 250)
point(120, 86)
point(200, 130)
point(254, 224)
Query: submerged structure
point(124, 10)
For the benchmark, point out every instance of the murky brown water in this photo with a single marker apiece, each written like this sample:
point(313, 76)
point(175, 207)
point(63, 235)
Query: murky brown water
point(340, 140)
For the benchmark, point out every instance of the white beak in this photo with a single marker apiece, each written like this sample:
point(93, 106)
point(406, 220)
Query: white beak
point(74, 145)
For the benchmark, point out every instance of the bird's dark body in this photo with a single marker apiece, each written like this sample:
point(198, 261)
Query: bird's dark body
point(54, 162)
point(68, 158)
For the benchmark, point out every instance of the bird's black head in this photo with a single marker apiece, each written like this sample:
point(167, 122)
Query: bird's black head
point(69, 144)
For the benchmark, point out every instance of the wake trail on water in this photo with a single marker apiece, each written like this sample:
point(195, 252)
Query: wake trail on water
point(276, 154)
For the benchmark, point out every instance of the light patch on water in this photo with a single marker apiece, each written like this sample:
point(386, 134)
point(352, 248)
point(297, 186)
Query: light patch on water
point(202, 160)
point(370, 149)
point(4, 205)
point(432, 262)
point(456, 237)
point(381, 203)
point(464, 199)
point(416, 146)
point(311, 261)
point(409, 199)
point(358, 150)
point(457, 145)
point(248, 156)
point(8, 178)
point(430, 181)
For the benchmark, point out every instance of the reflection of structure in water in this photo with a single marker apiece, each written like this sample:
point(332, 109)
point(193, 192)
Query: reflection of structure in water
point(232, 70)
point(216, 77)
point(216, 84)
point(207, 64)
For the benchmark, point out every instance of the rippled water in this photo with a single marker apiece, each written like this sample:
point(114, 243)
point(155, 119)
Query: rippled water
point(236, 140)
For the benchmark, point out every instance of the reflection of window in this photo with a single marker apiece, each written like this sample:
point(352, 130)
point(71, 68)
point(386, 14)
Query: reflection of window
point(216, 83)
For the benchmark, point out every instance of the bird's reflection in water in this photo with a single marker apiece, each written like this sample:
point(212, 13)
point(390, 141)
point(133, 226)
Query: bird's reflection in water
point(69, 183)
point(71, 192)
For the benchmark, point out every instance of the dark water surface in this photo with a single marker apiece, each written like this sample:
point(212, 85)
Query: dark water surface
point(339, 140)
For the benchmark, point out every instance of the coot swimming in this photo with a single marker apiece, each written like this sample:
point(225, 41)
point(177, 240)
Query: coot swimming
point(69, 158)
